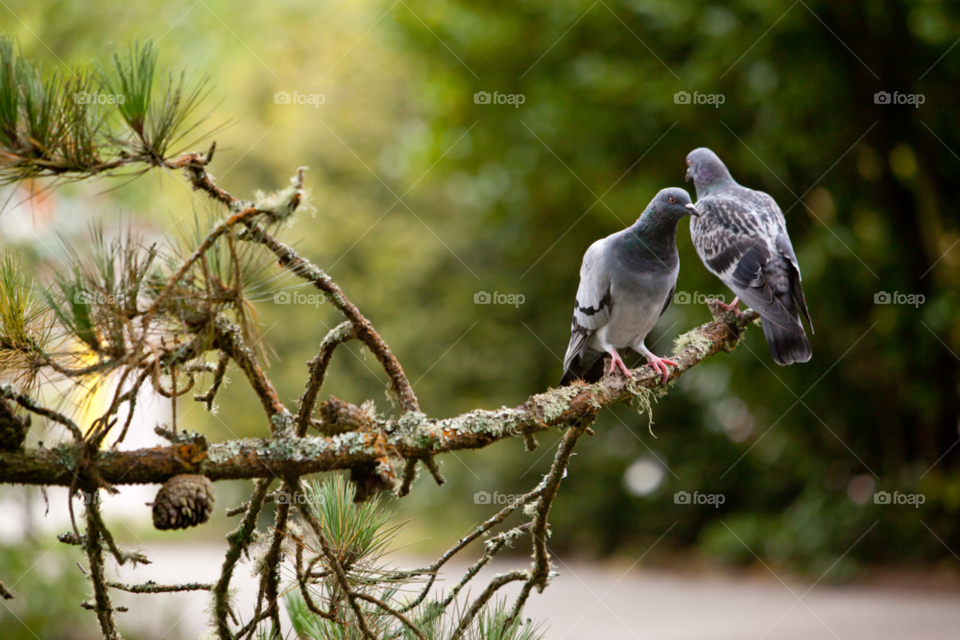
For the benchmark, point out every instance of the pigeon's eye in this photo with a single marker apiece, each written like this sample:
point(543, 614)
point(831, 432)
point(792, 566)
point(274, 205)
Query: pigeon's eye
point(673, 200)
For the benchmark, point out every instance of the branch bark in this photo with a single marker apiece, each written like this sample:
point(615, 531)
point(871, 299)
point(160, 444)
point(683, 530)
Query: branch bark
point(414, 435)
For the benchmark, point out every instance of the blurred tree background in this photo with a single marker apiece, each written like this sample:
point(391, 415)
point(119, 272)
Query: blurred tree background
point(425, 198)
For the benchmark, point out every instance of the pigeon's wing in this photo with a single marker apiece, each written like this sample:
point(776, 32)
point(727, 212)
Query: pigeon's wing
point(785, 247)
point(736, 240)
point(592, 308)
point(669, 299)
point(742, 238)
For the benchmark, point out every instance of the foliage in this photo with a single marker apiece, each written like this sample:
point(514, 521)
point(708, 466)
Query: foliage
point(91, 119)
point(360, 535)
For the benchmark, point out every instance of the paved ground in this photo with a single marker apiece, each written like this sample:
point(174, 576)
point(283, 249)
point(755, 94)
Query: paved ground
point(589, 602)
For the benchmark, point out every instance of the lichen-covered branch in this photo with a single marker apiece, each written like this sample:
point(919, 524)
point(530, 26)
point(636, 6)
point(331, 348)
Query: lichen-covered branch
point(318, 371)
point(101, 593)
point(305, 269)
point(239, 539)
point(413, 435)
point(152, 587)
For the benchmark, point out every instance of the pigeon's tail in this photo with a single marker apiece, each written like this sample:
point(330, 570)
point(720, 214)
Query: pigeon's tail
point(787, 344)
point(588, 368)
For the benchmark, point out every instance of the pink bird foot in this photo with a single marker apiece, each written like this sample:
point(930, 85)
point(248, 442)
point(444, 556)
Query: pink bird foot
point(617, 362)
point(660, 366)
point(732, 306)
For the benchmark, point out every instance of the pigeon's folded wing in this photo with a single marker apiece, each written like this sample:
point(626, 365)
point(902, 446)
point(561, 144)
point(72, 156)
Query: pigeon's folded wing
point(736, 245)
point(592, 308)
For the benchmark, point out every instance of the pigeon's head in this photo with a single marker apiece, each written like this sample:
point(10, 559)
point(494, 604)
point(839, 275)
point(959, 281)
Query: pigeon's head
point(706, 170)
point(669, 205)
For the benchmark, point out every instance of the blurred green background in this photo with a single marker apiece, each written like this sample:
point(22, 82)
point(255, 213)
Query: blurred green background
point(424, 198)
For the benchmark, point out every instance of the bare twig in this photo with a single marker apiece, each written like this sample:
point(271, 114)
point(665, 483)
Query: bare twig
point(101, 593)
point(152, 587)
point(207, 398)
point(33, 406)
point(239, 538)
point(318, 371)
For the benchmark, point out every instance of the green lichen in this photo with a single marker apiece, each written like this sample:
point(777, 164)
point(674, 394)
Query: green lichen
point(645, 398)
point(700, 343)
point(282, 422)
point(280, 205)
point(554, 403)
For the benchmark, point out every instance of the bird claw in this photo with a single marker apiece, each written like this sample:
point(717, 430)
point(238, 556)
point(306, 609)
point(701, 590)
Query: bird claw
point(660, 366)
point(617, 363)
point(733, 306)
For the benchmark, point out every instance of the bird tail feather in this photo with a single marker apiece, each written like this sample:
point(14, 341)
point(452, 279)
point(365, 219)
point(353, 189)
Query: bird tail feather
point(787, 344)
point(588, 367)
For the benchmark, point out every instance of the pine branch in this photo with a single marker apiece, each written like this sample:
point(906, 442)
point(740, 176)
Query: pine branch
point(411, 436)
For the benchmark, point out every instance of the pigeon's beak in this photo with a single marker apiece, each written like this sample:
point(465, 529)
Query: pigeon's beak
point(689, 175)
point(693, 209)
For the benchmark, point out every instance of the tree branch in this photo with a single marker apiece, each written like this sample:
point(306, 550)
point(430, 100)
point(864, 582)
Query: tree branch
point(411, 436)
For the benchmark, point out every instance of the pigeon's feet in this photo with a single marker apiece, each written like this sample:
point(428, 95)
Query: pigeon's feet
point(660, 366)
point(731, 307)
point(616, 362)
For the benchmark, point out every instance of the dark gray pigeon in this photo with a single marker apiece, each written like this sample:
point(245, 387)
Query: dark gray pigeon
point(626, 283)
point(741, 236)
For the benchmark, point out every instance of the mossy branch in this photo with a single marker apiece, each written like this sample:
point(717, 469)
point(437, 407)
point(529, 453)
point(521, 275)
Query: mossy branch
point(413, 435)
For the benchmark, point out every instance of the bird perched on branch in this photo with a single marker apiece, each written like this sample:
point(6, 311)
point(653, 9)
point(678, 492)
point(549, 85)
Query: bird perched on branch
point(741, 236)
point(626, 283)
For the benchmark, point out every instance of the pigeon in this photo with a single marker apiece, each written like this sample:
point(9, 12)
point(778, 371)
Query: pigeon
point(626, 283)
point(741, 236)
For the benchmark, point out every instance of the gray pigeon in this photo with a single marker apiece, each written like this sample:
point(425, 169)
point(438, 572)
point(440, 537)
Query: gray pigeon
point(626, 283)
point(741, 236)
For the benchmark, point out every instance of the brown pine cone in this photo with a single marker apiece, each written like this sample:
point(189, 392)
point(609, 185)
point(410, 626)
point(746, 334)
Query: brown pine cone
point(13, 428)
point(183, 501)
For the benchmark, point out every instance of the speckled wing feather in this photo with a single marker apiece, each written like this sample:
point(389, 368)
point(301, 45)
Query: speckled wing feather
point(741, 236)
point(592, 308)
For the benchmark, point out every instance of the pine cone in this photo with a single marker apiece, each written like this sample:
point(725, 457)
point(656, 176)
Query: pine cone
point(13, 428)
point(183, 501)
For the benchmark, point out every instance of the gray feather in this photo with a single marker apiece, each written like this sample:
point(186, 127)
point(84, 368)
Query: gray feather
point(741, 237)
